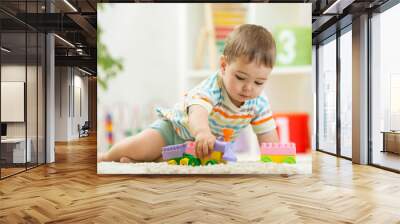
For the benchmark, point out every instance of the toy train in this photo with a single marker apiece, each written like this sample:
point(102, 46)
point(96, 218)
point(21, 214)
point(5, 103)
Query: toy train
point(278, 152)
point(184, 154)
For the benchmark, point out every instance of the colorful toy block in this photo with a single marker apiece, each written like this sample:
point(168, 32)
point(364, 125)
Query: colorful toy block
point(184, 154)
point(109, 130)
point(278, 152)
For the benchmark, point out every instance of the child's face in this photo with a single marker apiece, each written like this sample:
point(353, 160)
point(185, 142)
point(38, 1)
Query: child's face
point(243, 80)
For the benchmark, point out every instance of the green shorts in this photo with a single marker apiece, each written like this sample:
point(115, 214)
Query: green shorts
point(167, 131)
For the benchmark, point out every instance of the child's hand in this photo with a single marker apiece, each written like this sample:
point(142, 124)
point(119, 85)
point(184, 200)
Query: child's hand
point(205, 141)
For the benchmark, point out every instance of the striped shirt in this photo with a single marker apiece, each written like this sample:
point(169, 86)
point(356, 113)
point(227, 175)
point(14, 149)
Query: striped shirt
point(212, 95)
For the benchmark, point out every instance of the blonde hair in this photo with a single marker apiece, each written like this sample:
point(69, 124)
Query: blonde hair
point(253, 42)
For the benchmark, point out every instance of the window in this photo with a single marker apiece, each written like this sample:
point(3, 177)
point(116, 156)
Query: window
point(346, 94)
point(385, 89)
point(394, 102)
point(327, 97)
point(22, 66)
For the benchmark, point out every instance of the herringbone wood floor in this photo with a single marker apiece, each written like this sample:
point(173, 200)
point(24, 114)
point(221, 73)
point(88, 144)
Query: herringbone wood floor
point(70, 191)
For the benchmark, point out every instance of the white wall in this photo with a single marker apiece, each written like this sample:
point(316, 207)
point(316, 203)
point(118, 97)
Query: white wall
point(82, 81)
point(17, 73)
point(12, 101)
point(61, 103)
point(288, 14)
point(66, 121)
point(149, 50)
point(146, 38)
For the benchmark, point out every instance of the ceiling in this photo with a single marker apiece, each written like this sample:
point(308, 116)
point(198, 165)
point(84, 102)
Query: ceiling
point(74, 22)
point(332, 15)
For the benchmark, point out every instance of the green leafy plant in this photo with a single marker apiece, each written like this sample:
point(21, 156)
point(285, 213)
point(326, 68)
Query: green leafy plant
point(109, 66)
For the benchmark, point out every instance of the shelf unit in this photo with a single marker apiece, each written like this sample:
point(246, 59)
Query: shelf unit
point(256, 14)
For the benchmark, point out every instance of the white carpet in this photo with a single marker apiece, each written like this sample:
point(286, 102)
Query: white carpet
point(245, 167)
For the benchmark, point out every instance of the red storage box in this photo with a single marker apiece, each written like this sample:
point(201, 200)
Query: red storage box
point(293, 127)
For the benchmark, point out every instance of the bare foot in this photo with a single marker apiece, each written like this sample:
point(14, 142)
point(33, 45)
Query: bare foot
point(125, 160)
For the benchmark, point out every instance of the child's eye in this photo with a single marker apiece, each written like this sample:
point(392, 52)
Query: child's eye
point(259, 83)
point(240, 78)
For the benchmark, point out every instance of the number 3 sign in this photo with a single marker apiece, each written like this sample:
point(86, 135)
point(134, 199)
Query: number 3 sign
point(293, 46)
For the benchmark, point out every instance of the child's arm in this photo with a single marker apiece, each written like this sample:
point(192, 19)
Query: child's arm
point(271, 136)
point(198, 123)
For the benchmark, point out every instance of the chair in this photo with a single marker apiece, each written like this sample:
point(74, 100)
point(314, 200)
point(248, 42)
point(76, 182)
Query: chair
point(84, 130)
